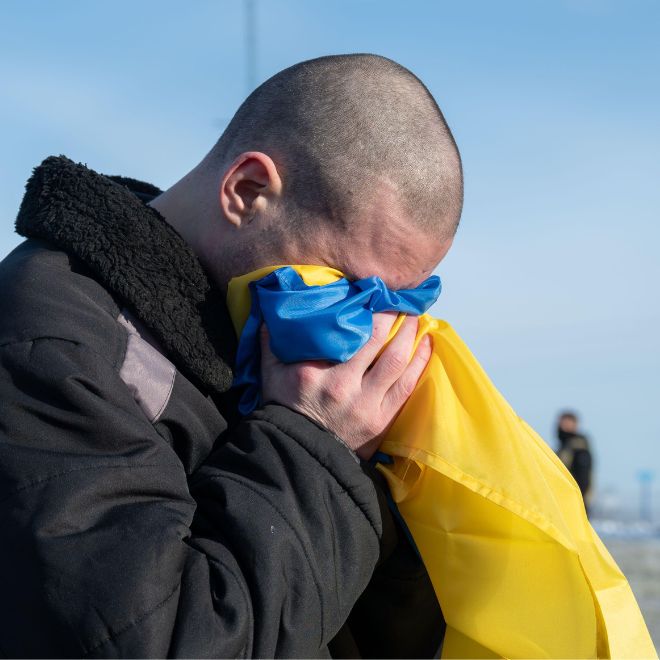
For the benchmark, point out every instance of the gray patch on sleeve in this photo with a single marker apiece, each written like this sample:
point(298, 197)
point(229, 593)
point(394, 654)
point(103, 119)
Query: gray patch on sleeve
point(148, 374)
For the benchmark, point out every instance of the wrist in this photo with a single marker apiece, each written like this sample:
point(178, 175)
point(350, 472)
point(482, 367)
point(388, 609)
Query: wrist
point(317, 422)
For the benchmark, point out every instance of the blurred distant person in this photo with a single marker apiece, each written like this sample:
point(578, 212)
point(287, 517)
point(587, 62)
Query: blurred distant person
point(575, 453)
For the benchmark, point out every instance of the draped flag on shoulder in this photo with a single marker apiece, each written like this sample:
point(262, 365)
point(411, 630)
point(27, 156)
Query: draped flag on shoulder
point(498, 520)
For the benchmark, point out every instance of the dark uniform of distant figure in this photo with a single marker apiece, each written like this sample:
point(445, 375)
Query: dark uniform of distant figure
point(575, 453)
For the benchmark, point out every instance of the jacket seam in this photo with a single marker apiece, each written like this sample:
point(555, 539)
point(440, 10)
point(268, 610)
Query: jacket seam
point(52, 477)
point(123, 340)
point(167, 398)
point(248, 486)
point(75, 342)
point(241, 586)
point(31, 340)
point(133, 623)
point(346, 489)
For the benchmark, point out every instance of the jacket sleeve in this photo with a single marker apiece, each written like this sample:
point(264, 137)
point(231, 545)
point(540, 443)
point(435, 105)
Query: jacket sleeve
point(109, 550)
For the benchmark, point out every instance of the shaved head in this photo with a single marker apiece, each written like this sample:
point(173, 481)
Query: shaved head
point(341, 130)
point(344, 161)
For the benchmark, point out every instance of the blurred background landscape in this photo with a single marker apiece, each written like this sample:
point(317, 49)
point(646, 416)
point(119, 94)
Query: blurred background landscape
point(553, 279)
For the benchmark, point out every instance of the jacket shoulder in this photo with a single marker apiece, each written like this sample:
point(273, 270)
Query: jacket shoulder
point(48, 293)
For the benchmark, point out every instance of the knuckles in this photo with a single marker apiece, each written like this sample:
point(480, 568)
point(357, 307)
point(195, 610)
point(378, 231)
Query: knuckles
point(394, 362)
point(406, 387)
point(306, 376)
point(336, 391)
point(379, 332)
point(336, 395)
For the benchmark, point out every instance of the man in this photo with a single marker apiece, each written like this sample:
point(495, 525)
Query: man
point(575, 453)
point(140, 515)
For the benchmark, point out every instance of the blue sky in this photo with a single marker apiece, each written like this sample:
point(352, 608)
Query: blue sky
point(553, 280)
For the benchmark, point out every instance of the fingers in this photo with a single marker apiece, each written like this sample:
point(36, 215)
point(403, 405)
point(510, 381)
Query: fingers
point(398, 394)
point(394, 359)
point(353, 401)
point(382, 324)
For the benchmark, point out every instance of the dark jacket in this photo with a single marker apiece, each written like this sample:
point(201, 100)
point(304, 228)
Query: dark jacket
point(139, 515)
point(575, 453)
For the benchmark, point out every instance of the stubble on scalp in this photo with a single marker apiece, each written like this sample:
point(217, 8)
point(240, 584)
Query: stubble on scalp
point(339, 127)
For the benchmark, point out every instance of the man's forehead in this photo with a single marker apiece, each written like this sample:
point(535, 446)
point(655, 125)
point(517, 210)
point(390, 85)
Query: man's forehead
point(388, 242)
point(402, 262)
point(382, 239)
point(400, 267)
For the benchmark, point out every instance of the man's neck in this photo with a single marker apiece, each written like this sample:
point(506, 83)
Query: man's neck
point(184, 207)
point(194, 216)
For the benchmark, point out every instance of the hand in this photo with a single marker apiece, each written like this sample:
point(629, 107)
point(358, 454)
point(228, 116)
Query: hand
point(359, 399)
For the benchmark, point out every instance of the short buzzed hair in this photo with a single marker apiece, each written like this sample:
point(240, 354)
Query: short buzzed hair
point(337, 125)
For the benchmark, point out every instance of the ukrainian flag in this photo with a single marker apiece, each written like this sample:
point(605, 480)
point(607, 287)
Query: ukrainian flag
point(498, 520)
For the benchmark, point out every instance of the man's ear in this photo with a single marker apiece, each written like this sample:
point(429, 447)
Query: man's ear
point(249, 185)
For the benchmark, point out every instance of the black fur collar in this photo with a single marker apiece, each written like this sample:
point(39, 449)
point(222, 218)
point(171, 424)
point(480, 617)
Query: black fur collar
point(135, 254)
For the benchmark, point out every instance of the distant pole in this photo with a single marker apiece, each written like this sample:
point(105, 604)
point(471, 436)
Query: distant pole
point(645, 478)
point(250, 44)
